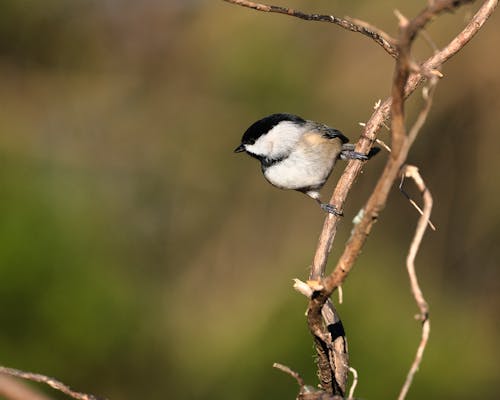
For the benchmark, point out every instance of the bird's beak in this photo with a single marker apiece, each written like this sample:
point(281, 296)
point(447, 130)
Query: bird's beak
point(240, 148)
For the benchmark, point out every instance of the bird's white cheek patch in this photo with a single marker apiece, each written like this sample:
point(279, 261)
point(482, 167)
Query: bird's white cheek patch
point(260, 147)
point(279, 141)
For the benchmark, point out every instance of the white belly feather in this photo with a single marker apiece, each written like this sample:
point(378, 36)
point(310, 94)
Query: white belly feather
point(302, 169)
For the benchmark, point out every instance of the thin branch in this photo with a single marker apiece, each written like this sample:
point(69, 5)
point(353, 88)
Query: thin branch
point(412, 172)
point(354, 383)
point(341, 294)
point(414, 204)
point(428, 95)
point(53, 383)
point(373, 29)
point(289, 371)
point(456, 44)
point(426, 327)
point(383, 144)
point(428, 39)
point(306, 392)
point(354, 25)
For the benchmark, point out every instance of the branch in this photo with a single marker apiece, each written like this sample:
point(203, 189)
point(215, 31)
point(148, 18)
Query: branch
point(404, 84)
point(14, 389)
point(53, 383)
point(289, 371)
point(354, 25)
point(412, 172)
point(354, 383)
point(331, 349)
point(354, 168)
point(330, 339)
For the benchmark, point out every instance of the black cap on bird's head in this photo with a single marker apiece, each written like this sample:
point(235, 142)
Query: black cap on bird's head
point(264, 125)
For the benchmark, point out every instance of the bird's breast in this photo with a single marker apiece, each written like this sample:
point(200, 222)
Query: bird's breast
point(308, 166)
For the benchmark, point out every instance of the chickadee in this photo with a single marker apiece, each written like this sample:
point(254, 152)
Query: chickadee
point(298, 154)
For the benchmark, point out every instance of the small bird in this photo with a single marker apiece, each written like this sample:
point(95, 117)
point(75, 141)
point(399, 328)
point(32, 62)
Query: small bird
point(298, 154)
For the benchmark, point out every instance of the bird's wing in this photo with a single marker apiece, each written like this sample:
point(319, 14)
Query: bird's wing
point(331, 133)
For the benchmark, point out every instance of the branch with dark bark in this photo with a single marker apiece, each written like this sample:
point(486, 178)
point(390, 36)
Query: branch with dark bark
point(354, 25)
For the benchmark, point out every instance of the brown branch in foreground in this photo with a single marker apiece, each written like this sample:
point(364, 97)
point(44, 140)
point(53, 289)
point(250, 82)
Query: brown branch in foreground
point(53, 383)
point(354, 25)
point(15, 389)
point(412, 172)
point(406, 84)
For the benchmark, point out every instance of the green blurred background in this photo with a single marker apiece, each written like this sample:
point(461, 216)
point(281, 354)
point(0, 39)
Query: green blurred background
point(141, 259)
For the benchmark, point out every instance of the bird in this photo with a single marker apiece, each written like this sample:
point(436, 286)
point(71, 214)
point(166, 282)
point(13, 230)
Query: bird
point(298, 154)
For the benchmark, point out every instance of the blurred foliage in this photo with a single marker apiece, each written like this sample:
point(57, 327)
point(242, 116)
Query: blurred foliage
point(140, 258)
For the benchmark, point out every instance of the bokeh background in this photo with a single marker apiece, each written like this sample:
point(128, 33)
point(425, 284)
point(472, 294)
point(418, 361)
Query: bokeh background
point(141, 259)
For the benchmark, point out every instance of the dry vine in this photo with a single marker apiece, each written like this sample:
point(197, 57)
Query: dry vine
point(324, 322)
point(410, 171)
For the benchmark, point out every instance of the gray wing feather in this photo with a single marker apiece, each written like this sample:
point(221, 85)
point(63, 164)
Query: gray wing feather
point(327, 132)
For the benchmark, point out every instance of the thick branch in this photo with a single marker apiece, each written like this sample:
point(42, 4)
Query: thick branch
point(404, 85)
point(380, 37)
point(366, 140)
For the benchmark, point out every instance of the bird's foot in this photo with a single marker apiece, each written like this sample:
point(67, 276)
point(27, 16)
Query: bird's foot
point(331, 209)
point(348, 153)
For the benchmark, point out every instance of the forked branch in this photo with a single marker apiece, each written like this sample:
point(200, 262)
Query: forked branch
point(405, 82)
point(321, 315)
point(374, 124)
